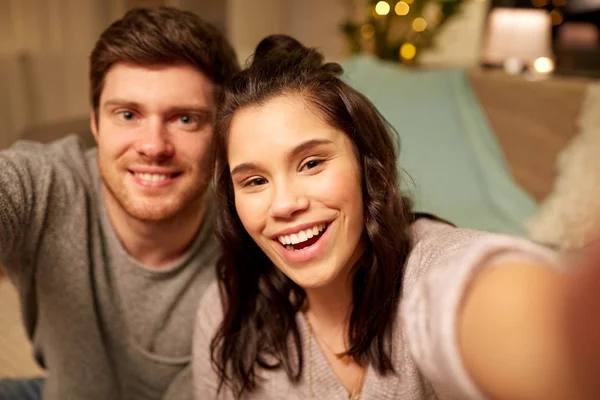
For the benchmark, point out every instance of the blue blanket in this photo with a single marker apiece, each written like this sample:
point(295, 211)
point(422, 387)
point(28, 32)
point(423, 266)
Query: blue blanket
point(451, 163)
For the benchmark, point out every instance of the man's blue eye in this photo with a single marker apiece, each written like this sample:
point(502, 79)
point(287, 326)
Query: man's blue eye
point(188, 119)
point(128, 115)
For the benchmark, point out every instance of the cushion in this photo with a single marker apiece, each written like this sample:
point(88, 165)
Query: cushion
point(570, 215)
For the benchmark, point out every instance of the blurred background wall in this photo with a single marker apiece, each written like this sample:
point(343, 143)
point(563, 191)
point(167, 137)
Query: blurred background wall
point(44, 51)
point(45, 44)
point(44, 48)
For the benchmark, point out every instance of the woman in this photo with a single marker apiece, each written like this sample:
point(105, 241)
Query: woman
point(330, 288)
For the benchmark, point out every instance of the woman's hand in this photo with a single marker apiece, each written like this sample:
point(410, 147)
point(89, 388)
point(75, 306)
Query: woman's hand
point(583, 320)
point(511, 336)
point(527, 331)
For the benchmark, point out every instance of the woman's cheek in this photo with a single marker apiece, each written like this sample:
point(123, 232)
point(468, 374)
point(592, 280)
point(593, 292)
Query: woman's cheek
point(252, 209)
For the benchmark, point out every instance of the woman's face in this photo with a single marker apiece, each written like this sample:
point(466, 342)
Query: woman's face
point(297, 186)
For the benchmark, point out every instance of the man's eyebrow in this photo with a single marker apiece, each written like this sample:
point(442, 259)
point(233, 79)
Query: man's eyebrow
point(120, 103)
point(301, 148)
point(192, 109)
point(183, 108)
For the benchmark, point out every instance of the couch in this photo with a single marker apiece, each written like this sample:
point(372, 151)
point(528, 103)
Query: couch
point(531, 121)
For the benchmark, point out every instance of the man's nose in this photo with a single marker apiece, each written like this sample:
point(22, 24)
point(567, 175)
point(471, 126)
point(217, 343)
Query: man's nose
point(155, 142)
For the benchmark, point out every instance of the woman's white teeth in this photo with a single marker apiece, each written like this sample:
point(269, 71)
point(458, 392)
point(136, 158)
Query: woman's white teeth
point(152, 177)
point(301, 236)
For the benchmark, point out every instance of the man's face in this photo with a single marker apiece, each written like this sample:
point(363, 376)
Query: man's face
point(154, 127)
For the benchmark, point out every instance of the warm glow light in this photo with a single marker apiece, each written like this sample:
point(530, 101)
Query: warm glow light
point(402, 7)
point(543, 65)
point(419, 24)
point(523, 34)
point(557, 17)
point(382, 8)
point(367, 31)
point(408, 1)
point(539, 3)
point(408, 51)
point(559, 3)
point(513, 66)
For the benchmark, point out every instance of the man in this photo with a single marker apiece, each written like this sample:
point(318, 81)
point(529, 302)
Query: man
point(111, 248)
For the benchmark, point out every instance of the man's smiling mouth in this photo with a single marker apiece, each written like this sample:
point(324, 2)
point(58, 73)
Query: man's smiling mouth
point(154, 177)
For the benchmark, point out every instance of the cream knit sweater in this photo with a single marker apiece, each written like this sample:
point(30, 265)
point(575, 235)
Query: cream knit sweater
point(442, 262)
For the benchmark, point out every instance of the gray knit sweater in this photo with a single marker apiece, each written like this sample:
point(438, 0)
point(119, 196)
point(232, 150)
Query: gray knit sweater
point(425, 355)
point(104, 326)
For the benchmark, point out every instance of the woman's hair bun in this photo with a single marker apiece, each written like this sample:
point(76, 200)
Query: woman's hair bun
point(280, 53)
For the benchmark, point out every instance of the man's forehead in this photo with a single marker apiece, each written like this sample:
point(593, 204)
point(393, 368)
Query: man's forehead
point(172, 86)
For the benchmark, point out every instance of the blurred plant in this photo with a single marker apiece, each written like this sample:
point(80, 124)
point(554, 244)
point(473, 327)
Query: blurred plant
point(396, 30)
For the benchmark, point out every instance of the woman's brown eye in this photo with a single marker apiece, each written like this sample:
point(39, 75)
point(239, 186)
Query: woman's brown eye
point(255, 182)
point(312, 164)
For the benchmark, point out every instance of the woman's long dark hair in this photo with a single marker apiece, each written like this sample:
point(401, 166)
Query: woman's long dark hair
point(259, 326)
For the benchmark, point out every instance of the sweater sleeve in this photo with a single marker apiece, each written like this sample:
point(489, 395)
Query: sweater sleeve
point(35, 180)
point(208, 318)
point(443, 262)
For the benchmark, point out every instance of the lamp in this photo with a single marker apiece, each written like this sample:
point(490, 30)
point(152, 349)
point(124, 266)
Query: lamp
point(517, 37)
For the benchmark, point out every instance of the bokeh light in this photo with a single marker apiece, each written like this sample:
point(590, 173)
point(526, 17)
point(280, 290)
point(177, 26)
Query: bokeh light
point(419, 24)
point(382, 8)
point(402, 8)
point(408, 51)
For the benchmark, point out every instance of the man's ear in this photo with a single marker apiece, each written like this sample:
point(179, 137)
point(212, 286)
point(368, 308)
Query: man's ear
point(94, 124)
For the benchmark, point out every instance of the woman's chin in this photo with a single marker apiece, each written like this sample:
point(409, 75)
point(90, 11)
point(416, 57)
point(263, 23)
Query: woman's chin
point(309, 280)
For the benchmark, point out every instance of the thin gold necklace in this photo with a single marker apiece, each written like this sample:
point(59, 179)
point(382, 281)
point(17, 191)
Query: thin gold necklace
point(356, 391)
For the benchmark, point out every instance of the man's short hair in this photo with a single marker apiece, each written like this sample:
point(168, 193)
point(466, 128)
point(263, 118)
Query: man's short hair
point(162, 36)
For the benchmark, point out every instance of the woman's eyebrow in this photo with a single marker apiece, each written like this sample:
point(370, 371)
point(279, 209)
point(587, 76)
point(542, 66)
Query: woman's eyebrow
point(307, 145)
point(244, 167)
point(299, 149)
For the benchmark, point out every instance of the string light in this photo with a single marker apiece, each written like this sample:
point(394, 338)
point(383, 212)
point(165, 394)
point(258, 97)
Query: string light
point(408, 51)
point(367, 31)
point(382, 8)
point(419, 24)
point(402, 7)
point(381, 18)
point(556, 16)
